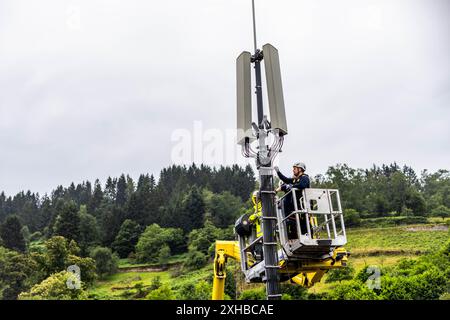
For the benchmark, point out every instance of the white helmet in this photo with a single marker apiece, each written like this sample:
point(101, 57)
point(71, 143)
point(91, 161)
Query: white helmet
point(300, 165)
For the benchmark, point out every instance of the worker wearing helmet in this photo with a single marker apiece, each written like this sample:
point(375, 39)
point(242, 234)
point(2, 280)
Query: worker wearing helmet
point(255, 219)
point(299, 181)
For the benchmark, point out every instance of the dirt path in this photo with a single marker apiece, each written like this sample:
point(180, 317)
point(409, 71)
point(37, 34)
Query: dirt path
point(148, 269)
point(428, 228)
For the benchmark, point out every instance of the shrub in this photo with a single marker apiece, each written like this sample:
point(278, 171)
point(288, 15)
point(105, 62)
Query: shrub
point(105, 261)
point(294, 291)
point(340, 274)
point(352, 218)
point(195, 260)
point(55, 287)
point(153, 239)
point(352, 290)
point(441, 211)
point(162, 293)
point(253, 294)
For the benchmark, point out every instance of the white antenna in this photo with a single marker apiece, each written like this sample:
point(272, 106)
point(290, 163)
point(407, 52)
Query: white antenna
point(254, 25)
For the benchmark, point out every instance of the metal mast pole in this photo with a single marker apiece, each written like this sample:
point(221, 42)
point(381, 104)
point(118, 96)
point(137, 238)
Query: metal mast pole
point(264, 165)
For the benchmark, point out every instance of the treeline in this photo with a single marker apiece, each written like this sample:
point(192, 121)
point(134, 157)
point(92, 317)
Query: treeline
point(389, 190)
point(175, 200)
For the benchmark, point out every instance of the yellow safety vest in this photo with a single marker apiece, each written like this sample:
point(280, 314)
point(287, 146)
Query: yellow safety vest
point(256, 216)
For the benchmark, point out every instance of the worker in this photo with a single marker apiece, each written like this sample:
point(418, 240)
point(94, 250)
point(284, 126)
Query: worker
point(299, 181)
point(255, 220)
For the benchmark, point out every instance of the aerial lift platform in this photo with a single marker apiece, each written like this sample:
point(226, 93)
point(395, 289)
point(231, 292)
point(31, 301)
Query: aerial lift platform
point(303, 260)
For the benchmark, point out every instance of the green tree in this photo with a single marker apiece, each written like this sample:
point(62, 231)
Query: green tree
point(67, 223)
point(96, 198)
point(224, 208)
point(192, 211)
point(17, 273)
point(441, 211)
point(59, 254)
point(352, 218)
point(127, 238)
point(89, 231)
point(105, 261)
point(121, 195)
point(56, 287)
point(153, 239)
point(11, 234)
point(195, 260)
point(202, 239)
point(164, 255)
point(26, 234)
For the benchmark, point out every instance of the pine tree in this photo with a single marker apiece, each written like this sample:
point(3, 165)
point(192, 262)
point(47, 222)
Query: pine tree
point(127, 238)
point(193, 210)
point(67, 223)
point(96, 199)
point(11, 234)
point(89, 233)
point(110, 189)
point(121, 195)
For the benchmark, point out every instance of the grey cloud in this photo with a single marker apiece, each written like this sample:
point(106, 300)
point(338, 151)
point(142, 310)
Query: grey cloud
point(365, 82)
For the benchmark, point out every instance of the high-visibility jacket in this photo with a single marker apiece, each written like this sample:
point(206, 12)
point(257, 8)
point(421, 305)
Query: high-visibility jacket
point(255, 218)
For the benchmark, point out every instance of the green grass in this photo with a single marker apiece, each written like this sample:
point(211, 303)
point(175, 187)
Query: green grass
point(383, 246)
point(128, 263)
point(115, 285)
point(411, 239)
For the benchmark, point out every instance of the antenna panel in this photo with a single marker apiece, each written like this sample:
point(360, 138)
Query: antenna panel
point(244, 98)
point(274, 89)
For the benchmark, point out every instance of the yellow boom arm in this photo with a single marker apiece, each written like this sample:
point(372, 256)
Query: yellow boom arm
point(306, 276)
point(224, 249)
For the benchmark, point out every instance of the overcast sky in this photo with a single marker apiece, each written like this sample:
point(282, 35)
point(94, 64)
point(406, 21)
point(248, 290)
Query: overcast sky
point(93, 88)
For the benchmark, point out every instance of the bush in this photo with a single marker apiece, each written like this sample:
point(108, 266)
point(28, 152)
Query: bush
point(441, 211)
point(87, 268)
point(352, 218)
point(340, 274)
point(55, 287)
point(365, 273)
point(202, 239)
point(59, 254)
point(352, 290)
point(425, 278)
point(427, 286)
point(253, 294)
point(293, 292)
point(153, 240)
point(105, 261)
point(195, 260)
point(162, 293)
point(156, 283)
point(17, 273)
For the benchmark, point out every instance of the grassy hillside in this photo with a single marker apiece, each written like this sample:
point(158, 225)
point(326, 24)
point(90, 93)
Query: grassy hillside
point(383, 247)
